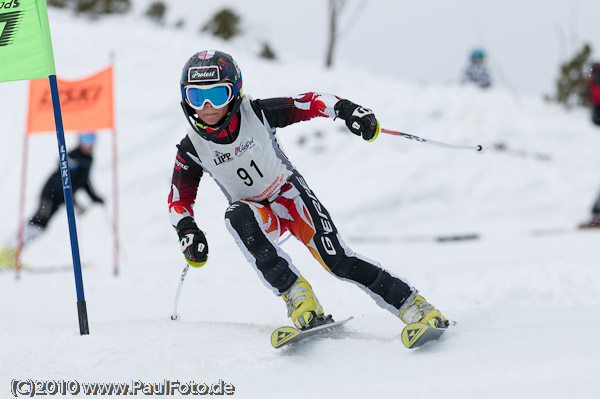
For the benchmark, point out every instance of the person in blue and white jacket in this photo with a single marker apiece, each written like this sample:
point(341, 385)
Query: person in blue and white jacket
point(477, 72)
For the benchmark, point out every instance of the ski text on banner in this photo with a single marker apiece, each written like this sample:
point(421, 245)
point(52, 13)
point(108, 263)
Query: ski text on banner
point(86, 104)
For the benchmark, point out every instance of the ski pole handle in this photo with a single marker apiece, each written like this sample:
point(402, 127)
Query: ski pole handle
point(175, 316)
point(479, 148)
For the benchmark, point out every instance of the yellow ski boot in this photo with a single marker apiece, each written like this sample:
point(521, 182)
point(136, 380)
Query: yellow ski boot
point(302, 304)
point(417, 310)
point(8, 258)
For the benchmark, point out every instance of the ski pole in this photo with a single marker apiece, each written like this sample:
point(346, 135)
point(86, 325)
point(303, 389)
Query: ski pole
point(479, 148)
point(175, 316)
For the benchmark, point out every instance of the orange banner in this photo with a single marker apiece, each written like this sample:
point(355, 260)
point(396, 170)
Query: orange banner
point(86, 104)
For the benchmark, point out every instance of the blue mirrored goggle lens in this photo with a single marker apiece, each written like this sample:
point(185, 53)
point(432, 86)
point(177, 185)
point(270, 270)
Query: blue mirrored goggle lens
point(217, 96)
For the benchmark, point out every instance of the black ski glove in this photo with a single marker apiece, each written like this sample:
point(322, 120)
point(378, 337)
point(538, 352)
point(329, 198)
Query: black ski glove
point(359, 120)
point(193, 242)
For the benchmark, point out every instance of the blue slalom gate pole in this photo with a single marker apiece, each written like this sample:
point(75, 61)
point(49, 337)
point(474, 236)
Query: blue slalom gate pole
point(68, 192)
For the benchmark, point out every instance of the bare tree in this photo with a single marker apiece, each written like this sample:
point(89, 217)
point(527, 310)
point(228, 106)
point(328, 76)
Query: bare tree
point(335, 8)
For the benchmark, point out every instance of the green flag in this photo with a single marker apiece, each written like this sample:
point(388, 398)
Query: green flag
point(25, 45)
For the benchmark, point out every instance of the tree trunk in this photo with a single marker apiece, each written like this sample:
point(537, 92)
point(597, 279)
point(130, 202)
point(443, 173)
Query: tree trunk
point(334, 7)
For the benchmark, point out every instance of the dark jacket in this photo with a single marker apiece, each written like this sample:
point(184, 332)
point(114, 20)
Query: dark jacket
point(79, 167)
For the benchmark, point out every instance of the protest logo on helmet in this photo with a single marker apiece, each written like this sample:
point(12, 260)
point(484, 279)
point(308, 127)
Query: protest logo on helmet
point(204, 74)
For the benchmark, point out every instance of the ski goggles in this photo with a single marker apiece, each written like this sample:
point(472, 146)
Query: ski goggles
point(218, 95)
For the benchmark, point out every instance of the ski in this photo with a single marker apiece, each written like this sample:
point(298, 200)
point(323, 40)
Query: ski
point(56, 268)
point(550, 231)
point(442, 238)
point(47, 269)
point(586, 226)
point(287, 335)
point(462, 237)
point(538, 156)
point(416, 334)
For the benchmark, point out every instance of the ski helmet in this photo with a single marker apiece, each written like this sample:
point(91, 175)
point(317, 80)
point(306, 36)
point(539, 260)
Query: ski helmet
point(477, 55)
point(88, 139)
point(211, 68)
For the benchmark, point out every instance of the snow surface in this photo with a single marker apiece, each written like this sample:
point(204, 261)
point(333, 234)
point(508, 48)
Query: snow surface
point(526, 304)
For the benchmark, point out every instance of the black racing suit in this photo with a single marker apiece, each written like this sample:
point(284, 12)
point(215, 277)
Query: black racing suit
point(306, 218)
point(52, 196)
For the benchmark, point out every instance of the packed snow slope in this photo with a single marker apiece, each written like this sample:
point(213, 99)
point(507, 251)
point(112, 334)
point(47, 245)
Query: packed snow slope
point(526, 304)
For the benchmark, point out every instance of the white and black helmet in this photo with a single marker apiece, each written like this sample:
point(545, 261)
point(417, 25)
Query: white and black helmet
point(208, 69)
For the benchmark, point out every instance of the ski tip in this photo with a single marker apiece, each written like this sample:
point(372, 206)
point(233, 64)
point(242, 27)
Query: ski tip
point(416, 334)
point(283, 335)
point(412, 333)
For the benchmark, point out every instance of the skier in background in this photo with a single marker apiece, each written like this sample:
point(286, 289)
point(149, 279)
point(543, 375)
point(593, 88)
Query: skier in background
point(594, 93)
point(594, 98)
point(594, 221)
point(52, 197)
point(232, 138)
point(477, 72)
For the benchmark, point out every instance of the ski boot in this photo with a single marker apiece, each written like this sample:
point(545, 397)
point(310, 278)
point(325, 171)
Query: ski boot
point(417, 310)
point(303, 306)
point(8, 258)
